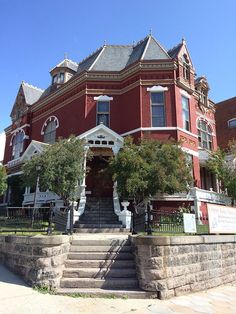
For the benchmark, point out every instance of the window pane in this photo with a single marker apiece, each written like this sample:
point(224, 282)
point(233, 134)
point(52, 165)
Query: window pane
point(232, 123)
point(158, 111)
point(158, 121)
point(103, 106)
point(103, 118)
point(185, 103)
point(157, 98)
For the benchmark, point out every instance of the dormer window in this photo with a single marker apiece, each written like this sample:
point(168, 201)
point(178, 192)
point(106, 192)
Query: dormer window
point(61, 78)
point(58, 78)
point(186, 67)
point(54, 79)
point(203, 96)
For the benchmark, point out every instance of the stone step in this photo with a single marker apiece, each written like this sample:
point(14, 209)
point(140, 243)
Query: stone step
point(102, 230)
point(99, 273)
point(102, 248)
point(117, 264)
point(103, 293)
point(114, 283)
point(100, 256)
point(95, 220)
point(101, 212)
point(94, 226)
point(100, 242)
point(95, 216)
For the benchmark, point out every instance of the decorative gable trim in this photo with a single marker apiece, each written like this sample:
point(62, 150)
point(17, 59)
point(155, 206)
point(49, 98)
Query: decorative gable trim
point(157, 89)
point(34, 147)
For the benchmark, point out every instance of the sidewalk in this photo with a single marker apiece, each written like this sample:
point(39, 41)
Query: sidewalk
point(17, 298)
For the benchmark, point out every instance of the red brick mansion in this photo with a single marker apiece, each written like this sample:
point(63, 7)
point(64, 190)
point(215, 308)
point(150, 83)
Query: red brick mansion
point(140, 90)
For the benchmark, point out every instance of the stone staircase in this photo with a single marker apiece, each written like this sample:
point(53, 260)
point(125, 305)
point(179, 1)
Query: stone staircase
point(99, 216)
point(101, 265)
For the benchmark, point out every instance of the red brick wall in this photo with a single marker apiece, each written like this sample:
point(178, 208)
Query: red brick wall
point(225, 111)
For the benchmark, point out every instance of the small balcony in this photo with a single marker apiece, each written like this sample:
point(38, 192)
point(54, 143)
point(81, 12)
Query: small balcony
point(14, 162)
point(210, 196)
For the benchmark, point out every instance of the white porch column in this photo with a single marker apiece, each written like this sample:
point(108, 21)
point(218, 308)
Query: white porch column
point(82, 202)
point(124, 215)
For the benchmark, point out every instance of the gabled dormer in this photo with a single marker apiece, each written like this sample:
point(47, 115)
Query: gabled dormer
point(185, 72)
point(26, 96)
point(202, 89)
point(63, 72)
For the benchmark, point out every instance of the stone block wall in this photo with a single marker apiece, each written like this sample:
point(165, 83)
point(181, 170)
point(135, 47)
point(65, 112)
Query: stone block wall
point(38, 259)
point(172, 266)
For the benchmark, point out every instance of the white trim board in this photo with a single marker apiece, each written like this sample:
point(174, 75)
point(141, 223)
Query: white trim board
point(166, 128)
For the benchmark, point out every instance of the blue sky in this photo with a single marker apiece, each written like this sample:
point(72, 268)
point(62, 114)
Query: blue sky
point(35, 35)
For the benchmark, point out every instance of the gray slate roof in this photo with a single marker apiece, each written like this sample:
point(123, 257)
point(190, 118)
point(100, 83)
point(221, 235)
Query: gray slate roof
point(32, 93)
point(175, 50)
point(116, 58)
point(66, 63)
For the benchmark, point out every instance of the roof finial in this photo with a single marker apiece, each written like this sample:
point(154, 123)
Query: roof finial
point(183, 41)
point(65, 55)
point(104, 42)
point(150, 32)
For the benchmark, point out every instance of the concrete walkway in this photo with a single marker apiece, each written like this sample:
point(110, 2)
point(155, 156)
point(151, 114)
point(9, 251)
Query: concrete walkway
point(18, 298)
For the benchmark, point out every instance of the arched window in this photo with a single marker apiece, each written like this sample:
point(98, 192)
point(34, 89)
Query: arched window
point(49, 130)
point(17, 144)
point(50, 133)
point(204, 135)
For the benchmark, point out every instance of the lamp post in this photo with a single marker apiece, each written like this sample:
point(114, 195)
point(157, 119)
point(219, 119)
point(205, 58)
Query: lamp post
point(38, 168)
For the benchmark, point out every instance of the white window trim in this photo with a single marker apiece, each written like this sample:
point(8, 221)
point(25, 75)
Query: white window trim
point(17, 132)
point(51, 118)
point(185, 94)
point(190, 151)
point(157, 89)
point(230, 121)
point(103, 98)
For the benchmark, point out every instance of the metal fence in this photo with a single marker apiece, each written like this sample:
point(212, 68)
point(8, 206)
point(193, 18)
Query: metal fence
point(165, 222)
point(26, 219)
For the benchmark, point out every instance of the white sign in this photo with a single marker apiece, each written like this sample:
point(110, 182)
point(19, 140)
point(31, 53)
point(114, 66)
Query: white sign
point(222, 219)
point(189, 223)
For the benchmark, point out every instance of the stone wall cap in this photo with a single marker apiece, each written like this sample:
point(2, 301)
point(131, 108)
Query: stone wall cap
point(182, 240)
point(39, 239)
point(151, 240)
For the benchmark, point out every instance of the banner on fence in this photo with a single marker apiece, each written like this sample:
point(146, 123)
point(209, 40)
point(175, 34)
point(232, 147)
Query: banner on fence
point(189, 223)
point(222, 219)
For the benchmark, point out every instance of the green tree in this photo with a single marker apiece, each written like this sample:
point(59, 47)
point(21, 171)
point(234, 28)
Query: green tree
point(152, 167)
point(61, 168)
point(3, 180)
point(222, 164)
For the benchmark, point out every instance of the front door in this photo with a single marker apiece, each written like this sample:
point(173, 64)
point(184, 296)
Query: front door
point(99, 181)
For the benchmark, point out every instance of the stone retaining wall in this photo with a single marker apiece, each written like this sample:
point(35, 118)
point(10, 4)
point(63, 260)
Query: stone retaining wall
point(178, 265)
point(38, 259)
